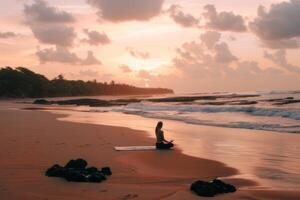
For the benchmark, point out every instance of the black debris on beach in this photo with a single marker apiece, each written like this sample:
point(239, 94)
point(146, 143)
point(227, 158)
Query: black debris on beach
point(77, 171)
point(211, 188)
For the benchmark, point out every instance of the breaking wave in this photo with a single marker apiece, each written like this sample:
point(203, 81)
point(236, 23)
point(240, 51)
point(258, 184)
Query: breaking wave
point(186, 113)
point(257, 111)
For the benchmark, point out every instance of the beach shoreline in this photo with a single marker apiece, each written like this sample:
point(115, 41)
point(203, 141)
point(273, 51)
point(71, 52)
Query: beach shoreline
point(32, 141)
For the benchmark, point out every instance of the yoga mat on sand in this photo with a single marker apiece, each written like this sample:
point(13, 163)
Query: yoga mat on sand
point(135, 148)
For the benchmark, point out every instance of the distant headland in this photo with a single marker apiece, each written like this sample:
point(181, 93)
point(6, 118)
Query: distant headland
point(24, 83)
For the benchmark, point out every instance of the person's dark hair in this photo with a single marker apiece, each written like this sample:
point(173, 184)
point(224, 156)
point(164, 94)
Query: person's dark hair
point(159, 125)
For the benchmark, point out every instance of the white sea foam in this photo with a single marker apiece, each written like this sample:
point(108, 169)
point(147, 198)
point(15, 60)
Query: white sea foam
point(251, 110)
point(187, 113)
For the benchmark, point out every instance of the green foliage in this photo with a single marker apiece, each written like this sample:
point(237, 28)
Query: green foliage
point(22, 82)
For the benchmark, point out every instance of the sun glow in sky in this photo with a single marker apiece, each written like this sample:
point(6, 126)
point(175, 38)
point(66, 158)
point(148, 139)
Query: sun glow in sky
point(186, 45)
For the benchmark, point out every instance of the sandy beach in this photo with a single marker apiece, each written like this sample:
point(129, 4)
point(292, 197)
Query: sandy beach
point(33, 140)
point(149, 100)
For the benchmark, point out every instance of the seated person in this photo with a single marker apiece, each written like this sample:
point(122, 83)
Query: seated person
point(161, 143)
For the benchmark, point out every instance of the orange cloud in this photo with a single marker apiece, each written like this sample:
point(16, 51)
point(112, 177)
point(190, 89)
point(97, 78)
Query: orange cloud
point(118, 11)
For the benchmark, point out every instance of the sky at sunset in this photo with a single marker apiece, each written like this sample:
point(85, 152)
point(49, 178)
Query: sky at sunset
point(186, 45)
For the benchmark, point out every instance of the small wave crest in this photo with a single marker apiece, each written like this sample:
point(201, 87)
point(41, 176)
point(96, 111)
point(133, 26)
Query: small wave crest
point(186, 113)
point(257, 111)
point(191, 120)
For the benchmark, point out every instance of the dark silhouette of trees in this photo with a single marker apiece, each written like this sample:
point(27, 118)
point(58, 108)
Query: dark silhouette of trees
point(22, 82)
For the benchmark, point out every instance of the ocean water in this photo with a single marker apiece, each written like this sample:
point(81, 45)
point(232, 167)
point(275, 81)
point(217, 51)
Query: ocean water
point(270, 111)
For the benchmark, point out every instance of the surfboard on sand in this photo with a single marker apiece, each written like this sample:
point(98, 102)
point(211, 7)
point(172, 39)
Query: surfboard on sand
point(135, 148)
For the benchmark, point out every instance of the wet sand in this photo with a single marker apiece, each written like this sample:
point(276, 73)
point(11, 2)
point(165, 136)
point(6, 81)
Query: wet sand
point(32, 140)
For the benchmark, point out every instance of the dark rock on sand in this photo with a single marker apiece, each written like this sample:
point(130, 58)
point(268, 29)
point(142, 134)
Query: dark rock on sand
point(202, 97)
point(287, 101)
point(92, 169)
point(280, 99)
point(88, 102)
point(221, 103)
point(125, 101)
point(42, 101)
point(76, 171)
point(56, 171)
point(78, 102)
point(96, 177)
point(183, 99)
point(75, 176)
point(120, 102)
point(212, 188)
point(283, 101)
point(203, 188)
point(85, 102)
point(223, 187)
point(106, 171)
point(78, 164)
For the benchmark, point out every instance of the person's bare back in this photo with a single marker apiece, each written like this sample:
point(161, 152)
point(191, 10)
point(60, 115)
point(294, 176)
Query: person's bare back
point(161, 142)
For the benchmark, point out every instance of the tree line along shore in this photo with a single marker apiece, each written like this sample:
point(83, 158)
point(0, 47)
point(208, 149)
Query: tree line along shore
point(24, 83)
